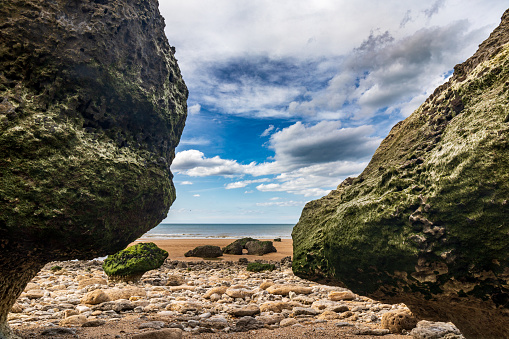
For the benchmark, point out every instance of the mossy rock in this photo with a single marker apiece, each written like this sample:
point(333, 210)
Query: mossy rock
point(206, 251)
point(131, 263)
point(258, 267)
point(426, 222)
point(237, 246)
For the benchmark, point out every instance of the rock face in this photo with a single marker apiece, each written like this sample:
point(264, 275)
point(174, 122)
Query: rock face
point(426, 221)
point(131, 263)
point(92, 106)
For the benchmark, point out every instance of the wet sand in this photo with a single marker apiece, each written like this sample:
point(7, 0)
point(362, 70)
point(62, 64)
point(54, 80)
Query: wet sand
point(177, 247)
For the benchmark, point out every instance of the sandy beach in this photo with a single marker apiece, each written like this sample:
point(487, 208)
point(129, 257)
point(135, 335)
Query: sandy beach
point(177, 247)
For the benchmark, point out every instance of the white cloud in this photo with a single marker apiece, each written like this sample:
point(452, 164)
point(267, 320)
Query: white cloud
point(186, 183)
point(195, 142)
point(242, 184)
point(194, 109)
point(290, 203)
point(196, 195)
point(267, 131)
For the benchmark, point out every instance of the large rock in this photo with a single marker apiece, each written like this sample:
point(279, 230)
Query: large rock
point(130, 263)
point(426, 222)
point(237, 246)
point(92, 106)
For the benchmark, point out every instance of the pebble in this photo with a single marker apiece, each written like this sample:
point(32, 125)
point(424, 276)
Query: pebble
point(192, 297)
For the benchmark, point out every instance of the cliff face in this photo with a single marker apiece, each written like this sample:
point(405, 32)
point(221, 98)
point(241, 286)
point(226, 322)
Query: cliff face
point(426, 222)
point(92, 106)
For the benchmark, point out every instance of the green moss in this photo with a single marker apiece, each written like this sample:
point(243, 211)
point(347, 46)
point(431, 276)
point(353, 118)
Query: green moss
point(134, 260)
point(258, 267)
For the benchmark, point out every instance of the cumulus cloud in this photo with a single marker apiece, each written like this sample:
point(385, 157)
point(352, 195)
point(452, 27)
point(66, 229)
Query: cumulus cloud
point(309, 159)
point(194, 109)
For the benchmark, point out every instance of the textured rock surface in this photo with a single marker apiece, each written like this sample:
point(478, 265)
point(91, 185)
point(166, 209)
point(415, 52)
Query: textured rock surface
point(260, 247)
point(206, 251)
point(92, 106)
point(237, 246)
point(426, 222)
point(130, 263)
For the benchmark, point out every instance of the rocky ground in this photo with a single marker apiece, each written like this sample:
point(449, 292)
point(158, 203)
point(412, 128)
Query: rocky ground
point(209, 299)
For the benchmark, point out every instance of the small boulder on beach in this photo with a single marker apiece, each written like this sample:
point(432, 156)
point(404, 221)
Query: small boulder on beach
point(206, 251)
point(131, 263)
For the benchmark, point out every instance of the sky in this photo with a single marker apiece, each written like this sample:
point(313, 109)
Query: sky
point(287, 98)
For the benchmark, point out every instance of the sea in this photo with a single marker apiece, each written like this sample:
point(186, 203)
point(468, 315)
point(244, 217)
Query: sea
point(219, 231)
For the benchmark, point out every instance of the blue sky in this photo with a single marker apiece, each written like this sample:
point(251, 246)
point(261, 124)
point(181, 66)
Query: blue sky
point(288, 98)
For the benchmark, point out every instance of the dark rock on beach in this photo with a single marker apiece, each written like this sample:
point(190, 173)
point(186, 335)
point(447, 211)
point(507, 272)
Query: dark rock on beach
point(206, 251)
point(92, 106)
point(237, 246)
point(426, 222)
point(131, 263)
point(260, 247)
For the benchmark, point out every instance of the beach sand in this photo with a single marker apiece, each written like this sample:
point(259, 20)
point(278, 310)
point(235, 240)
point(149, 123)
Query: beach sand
point(177, 247)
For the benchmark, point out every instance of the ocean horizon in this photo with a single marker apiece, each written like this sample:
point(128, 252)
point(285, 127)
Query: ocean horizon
point(218, 231)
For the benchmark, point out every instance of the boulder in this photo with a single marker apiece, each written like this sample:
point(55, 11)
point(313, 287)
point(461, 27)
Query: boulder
point(282, 289)
point(436, 330)
point(398, 320)
point(426, 222)
point(206, 251)
point(260, 247)
point(130, 263)
point(237, 246)
point(92, 106)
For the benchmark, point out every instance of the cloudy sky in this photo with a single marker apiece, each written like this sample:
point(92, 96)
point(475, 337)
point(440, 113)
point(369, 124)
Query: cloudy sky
point(290, 97)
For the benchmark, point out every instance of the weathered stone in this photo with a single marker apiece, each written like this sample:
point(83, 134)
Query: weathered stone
point(93, 323)
point(168, 333)
point(95, 297)
point(304, 311)
point(328, 315)
point(249, 310)
point(91, 281)
point(247, 324)
point(288, 322)
point(152, 324)
point(260, 247)
point(184, 306)
point(266, 284)
point(285, 289)
point(175, 280)
point(343, 295)
point(59, 331)
point(426, 222)
point(130, 263)
point(398, 320)
point(215, 290)
point(435, 330)
point(237, 246)
point(239, 292)
point(206, 251)
point(34, 294)
point(92, 107)
point(125, 293)
point(73, 320)
point(16, 308)
point(277, 306)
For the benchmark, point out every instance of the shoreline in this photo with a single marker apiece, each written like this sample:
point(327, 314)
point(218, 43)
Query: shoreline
point(177, 247)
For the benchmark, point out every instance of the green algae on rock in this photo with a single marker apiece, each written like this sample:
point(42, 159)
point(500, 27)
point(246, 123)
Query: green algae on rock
point(92, 106)
point(426, 222)
point(130, 263)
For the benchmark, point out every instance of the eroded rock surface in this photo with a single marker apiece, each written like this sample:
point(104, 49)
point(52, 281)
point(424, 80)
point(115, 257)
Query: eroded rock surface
point(426, 222)
point(92, 106)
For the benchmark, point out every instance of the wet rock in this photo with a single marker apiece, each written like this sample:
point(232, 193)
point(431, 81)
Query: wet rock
point(237, 246)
